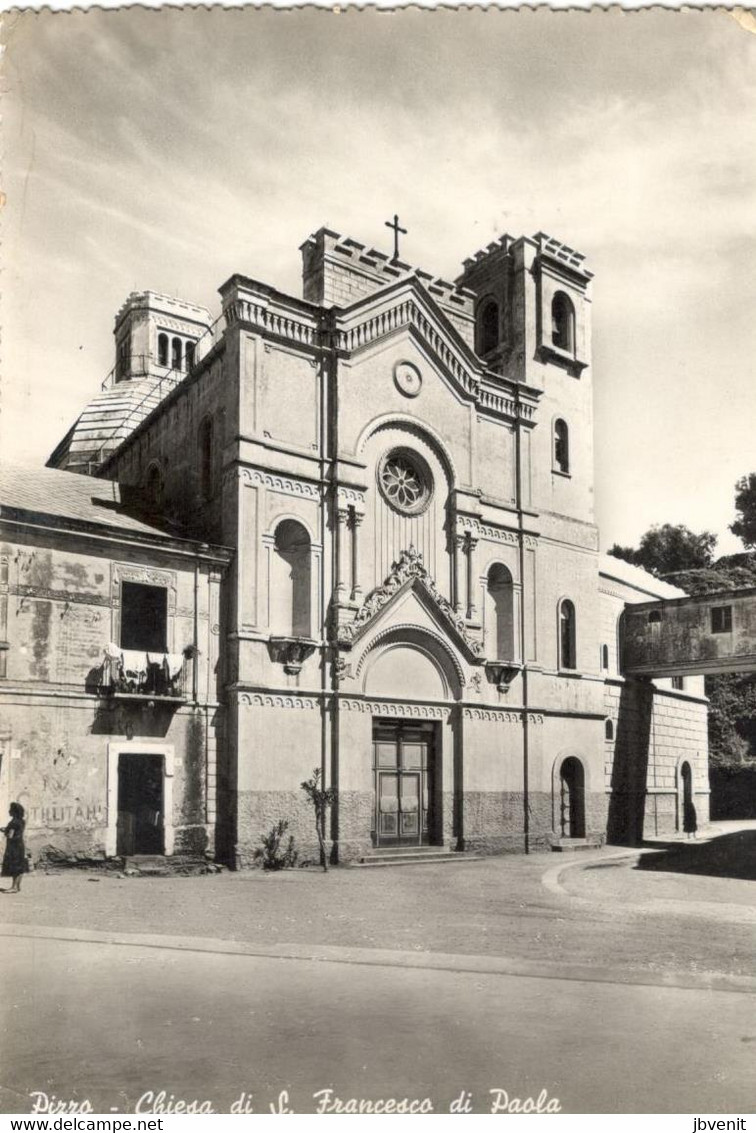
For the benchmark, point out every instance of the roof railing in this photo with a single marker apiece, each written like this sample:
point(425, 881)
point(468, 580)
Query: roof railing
point(170, 379)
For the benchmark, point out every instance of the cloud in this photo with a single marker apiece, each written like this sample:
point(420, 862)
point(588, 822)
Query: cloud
point(170, 148)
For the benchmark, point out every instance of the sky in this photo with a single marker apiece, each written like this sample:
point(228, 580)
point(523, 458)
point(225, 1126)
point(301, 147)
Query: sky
point(169, 149)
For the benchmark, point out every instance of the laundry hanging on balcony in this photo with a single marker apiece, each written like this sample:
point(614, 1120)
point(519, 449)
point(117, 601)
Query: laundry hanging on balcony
point(134, 671)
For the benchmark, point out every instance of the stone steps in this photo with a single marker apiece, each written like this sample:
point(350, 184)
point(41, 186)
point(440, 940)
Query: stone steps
point(155, 865)
point(573, 845)
point(421, 855)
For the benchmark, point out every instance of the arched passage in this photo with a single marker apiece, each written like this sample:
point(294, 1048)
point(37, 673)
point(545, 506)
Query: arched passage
point(571, 798)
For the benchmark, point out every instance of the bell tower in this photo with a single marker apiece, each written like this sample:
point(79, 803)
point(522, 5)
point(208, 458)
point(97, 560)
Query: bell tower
point(157, 339)
point(156, 335)
point(533, 325)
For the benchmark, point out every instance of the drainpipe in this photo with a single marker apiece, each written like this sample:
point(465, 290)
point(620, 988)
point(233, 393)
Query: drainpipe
point(525, 724)
point(327, 455)
point(195, 660)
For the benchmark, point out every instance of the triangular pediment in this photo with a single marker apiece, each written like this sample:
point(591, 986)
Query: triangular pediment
point(409, 580)
point(403, 306)
point(406, 307)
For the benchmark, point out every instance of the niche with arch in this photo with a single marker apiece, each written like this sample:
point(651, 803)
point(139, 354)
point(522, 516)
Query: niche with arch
point(500, 614)
point(290, 581)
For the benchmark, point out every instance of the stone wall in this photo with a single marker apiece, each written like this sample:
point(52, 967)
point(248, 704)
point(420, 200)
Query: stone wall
point(655, 733)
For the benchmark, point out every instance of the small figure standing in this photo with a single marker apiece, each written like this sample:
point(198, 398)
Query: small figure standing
point(690, 819)
point(14, 858)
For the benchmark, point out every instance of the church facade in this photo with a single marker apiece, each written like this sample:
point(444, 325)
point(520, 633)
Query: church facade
point(415, 604)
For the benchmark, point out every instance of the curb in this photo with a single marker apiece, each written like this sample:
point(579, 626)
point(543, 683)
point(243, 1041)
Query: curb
point(387, 958)
point(722, 912)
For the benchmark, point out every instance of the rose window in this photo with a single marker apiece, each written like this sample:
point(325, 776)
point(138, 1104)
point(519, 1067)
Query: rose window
point(404, 482)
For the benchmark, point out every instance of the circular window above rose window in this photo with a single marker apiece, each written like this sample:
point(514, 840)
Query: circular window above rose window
point(405, 481)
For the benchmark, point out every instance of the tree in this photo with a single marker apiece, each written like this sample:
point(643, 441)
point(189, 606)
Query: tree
point(732, 719)
point(321, 798)
point(627, 553)
point(745, 506)
point(668, 548)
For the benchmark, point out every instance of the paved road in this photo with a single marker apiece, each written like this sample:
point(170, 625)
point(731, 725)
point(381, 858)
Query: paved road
point(110, 1022)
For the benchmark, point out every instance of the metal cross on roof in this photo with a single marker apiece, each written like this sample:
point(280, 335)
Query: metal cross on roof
point(394, 225)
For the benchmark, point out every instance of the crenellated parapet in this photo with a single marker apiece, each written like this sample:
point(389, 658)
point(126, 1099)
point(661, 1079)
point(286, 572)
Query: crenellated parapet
point(338, 271)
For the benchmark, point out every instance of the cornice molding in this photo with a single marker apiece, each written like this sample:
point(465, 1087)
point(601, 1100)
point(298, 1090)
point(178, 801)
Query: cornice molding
point(263, 700)
point(289, 485)
point(396, 708)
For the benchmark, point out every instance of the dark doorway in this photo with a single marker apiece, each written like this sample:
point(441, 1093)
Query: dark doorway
point(144, 617)
point(140, 804)
point(403, 766)
point(572, 798)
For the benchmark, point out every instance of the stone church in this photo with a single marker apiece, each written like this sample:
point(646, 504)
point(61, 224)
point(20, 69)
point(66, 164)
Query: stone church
point(377, 500)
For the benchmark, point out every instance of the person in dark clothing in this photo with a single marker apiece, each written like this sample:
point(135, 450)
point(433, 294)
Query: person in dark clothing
point(690, 819)
point(14, 858)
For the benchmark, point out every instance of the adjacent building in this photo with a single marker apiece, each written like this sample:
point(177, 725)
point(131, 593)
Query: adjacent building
point(109, 673)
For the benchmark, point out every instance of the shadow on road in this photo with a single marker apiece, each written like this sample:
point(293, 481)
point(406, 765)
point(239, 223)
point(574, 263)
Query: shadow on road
point(731, 855)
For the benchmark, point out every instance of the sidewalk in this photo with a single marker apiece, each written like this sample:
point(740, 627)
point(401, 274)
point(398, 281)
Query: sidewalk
point(594, 912)
point(711, 876)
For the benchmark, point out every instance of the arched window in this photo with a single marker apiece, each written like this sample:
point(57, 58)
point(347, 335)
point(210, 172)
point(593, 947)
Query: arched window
point(290, 581)
point(205, 438)
point(561, 446)
point(608, 730)
point(123, 358)
point(563, 322)
point(189, 355)
point(154, 487)
point(500, 636)
point(488, 326)
point(604, 656)
point(176, 354)
point(566, 634)
point(162, 350)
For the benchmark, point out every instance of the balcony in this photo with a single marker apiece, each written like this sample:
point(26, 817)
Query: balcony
point(130, 674)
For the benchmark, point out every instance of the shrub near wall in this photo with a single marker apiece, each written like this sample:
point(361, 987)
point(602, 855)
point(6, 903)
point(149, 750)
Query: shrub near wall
point(733, 792)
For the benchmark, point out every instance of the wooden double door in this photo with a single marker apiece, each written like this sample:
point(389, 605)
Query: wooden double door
point(404, 771)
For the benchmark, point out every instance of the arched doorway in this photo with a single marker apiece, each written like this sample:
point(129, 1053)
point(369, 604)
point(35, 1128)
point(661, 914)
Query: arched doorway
point(408, 739)
point(572, 798)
